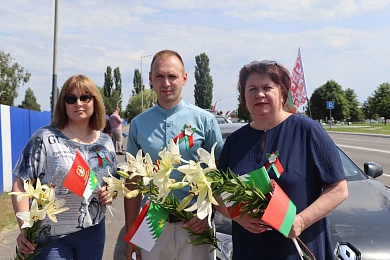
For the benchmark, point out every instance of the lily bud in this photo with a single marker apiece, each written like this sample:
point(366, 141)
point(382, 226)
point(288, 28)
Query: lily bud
point(178, 185)
point(132, 194)
point(123, 174)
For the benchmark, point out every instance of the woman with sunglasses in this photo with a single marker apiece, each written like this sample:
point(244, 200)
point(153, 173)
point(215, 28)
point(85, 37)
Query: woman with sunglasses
point(311, 175)
point(78, 117)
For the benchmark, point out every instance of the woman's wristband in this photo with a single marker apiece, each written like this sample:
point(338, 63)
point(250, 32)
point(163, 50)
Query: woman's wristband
point(302, 221)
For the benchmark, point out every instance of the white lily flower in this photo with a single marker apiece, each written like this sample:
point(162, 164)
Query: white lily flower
point(145, 169)
point(29, 190)
point(55, 207)
point(205, 210)
point(165, 167)
point(116, 186)
point(163, 187)
point(208, 158)
point(201, 187)
point(29, 217)
point(175, 150)
point(189, 170)
point(129, 165)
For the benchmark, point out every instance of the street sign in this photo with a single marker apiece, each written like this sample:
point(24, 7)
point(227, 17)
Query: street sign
point(329, 104)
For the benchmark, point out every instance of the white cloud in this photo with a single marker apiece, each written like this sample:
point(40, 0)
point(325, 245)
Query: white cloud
point(341, 40)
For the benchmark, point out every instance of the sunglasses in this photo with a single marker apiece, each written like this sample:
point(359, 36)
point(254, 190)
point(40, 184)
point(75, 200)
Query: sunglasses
point(264, 62)
point(71, 99)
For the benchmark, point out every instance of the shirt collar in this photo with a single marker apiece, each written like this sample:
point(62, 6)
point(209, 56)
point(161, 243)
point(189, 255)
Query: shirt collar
point(171, 111)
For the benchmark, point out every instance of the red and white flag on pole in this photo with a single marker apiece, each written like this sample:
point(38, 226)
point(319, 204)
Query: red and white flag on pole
point(215, 107)
point(298, 92)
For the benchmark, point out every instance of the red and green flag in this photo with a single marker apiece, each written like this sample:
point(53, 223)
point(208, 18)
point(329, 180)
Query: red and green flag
point(148, 226)
point(274, 163)
point(186, 136)
point(280, 212)
point(258, 178)
point(81, 180)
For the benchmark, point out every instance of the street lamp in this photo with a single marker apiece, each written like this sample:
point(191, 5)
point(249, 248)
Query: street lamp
point(142, 89)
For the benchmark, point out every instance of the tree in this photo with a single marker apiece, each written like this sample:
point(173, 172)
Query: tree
point(11, 76)
point(242, 112)
point(112, 97)
point(331, 91)
point(382, 100)
point(134, 107)
point(108, 82)
point(118, 87)
point(368, 108)
point(30, 101)
point(203, 92)
point(137, 82)
point(355, 112)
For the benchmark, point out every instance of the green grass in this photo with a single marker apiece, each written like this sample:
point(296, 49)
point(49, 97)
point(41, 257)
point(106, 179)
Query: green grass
point(361, 128)
point(7, 216)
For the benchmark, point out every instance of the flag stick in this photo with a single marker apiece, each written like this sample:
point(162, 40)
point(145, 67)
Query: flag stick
point(109, 207)
point(297, 247)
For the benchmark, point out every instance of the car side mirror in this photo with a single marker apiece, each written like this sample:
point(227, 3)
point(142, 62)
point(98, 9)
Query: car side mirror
point(373, 169)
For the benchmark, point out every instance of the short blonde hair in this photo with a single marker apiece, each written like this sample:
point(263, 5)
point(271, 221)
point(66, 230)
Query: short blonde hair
point(86, 86)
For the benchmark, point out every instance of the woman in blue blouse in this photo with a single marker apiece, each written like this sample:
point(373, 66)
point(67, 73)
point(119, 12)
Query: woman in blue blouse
point(313, 176)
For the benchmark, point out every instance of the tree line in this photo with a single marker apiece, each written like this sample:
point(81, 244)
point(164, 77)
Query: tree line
point(347, 107)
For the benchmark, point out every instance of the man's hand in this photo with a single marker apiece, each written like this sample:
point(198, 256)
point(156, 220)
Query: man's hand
point(130, 249)
point(197, 225)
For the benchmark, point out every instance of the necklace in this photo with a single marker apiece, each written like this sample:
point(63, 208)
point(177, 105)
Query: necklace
point(79, 139)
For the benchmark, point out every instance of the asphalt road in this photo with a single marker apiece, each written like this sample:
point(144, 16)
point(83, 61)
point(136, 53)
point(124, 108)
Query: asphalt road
point(366, 148)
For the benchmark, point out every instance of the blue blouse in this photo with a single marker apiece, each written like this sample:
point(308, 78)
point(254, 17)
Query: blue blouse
point(310, 160)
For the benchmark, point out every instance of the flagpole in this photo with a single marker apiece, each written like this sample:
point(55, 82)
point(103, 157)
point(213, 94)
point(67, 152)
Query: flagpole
point(304, 78)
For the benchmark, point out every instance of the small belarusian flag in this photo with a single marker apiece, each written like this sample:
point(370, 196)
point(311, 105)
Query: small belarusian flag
point(258, 178)
point(280, 212)
point(148, 226)
point(81, 180)
point(274, 164)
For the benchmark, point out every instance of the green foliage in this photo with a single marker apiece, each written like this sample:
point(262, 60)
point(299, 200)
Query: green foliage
point(112, 97)
point(203, 92)
point(137, 82)
point(30, 101)
point(331, 91)
point(118, 87)
point(250, 198)
point(134, 107)
point(11, 76)
point(368, 108)
point(108, 82)
point(243, 113)
point(381, 100)
point(355, 111)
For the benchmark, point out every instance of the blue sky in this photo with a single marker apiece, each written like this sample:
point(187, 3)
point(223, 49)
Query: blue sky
point(343, 40)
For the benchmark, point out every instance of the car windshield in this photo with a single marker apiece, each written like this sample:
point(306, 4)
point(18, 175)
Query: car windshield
point(351, 170)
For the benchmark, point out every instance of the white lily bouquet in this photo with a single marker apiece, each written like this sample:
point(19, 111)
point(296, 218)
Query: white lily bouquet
point(42, 203)
point(154, 181)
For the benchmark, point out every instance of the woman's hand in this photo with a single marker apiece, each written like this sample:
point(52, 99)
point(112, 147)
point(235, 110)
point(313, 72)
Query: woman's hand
point(253, 225)
point(104, 196)
point(297, 227)
point(24, 246)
